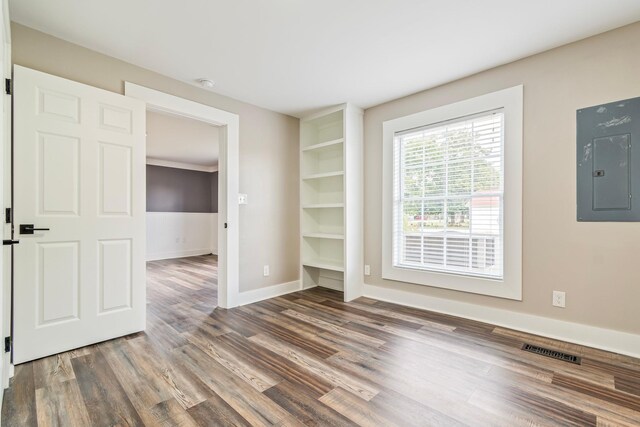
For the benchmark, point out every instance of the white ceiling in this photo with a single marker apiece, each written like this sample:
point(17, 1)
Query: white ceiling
point(294, 56)
point(183, 140)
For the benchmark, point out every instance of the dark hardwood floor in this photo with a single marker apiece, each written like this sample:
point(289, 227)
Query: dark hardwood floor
point(309, 359)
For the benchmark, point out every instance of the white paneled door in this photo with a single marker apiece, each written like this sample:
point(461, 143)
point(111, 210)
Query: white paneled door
point(79, 200)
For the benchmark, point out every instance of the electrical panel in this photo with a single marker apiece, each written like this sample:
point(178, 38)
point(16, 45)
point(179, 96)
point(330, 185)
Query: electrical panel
point(608, 162)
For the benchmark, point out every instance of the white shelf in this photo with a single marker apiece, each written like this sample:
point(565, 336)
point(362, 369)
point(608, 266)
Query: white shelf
point(325, 264)
point(331, 200)
point(324, 206)
point(324, 144)
point(323, 175)
point(324, 236)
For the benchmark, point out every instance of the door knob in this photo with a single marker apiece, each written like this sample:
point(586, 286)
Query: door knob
point(10, 242)
point(29, 229)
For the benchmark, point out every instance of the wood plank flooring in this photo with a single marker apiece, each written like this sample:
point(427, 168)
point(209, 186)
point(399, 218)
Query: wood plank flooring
point(308, 359)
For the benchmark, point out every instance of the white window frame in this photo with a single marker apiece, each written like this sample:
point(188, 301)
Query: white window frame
point(510, 101)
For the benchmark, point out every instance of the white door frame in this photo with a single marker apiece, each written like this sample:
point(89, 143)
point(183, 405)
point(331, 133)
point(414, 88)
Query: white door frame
point(6, 368)
point(228, 179)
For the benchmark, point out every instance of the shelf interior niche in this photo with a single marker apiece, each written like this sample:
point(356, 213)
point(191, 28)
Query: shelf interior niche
point(323, 251)
point(313, 276)
point(323, 129)
point(323, 160)
point(323, 190)
point(330, 221)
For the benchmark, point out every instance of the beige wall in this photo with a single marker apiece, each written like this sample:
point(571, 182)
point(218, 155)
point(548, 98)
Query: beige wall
point(597, 264)
point(268, 149)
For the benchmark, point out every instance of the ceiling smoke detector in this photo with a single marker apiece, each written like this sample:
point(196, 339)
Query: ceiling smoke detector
point(206, 83)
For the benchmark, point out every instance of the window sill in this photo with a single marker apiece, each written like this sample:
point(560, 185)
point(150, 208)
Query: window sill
point(508, 287)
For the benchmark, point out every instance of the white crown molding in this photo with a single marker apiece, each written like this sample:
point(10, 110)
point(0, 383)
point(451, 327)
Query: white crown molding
point(590, 336)
point(180, 165)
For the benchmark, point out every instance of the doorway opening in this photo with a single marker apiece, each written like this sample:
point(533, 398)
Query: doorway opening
point(222, 234)
point(182, 214)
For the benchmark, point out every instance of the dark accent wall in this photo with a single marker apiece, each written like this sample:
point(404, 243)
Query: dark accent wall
point(214, 192)
point(181, 190)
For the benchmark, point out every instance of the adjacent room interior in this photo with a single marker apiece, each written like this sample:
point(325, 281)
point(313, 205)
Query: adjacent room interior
point(362, 213)
point(182, 214)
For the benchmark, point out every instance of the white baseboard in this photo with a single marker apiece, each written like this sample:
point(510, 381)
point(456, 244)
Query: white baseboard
point(248, 297)
point(591, 336)
point(179, 254)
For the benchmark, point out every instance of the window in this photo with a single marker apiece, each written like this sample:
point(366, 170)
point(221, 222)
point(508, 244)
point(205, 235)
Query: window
point(452, 196)
point(448, 196)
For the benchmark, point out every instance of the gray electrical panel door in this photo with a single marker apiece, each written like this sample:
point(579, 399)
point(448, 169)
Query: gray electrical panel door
point(611, 173)
point(608, 165)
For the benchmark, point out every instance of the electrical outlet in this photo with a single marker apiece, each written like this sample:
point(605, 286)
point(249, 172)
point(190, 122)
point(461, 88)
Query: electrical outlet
point(559, 299)
point(367, 270)
point(242, 199)
point(265, 270)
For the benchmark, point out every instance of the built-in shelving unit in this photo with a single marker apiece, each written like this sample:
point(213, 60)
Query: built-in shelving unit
point(331, 200)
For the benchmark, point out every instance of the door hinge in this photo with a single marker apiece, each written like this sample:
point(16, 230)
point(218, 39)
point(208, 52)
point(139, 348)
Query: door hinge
point(8, 218)
point(7, 344)
point(7, 86)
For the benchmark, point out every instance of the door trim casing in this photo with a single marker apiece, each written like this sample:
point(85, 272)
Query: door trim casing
point(228, 179)
point(6, 370)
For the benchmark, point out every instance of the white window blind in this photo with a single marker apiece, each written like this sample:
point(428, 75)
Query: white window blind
point(448, 196)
